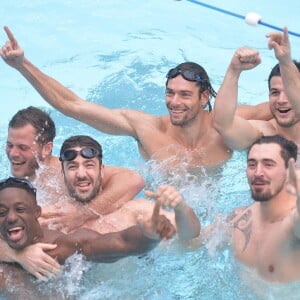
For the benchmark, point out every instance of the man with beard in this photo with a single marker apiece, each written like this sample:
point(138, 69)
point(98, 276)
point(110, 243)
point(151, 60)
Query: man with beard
point(265, 236)
point(284, 97)
point(19, 227)
point(267, 233)
point(81, 160)
point(29, 145)
point(185, 134)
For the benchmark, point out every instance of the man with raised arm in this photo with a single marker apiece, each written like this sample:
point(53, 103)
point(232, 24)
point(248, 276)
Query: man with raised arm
point(188, 127)
point(265, 235)
point(284, 97)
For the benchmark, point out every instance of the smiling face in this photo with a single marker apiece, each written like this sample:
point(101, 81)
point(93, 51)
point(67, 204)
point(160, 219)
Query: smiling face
point(280, 105)
point(266, 171)
point(83, 177)
point(18, 217)
point(184, 101)
point(23, 151)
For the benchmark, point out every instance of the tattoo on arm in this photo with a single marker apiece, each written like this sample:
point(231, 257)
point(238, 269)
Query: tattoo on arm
point(245, 226)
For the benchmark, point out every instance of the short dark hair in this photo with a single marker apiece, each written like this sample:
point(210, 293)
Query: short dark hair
point(40, 120)
point(205, 84)
point(81, 141)
point(288, 148)
point(276, 71)
point(20, 183)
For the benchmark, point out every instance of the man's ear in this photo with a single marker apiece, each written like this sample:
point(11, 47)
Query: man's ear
point(47, 150)
point(204, 98)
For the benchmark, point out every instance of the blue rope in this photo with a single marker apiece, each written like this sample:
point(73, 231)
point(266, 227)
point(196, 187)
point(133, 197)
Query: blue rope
point(239, 16)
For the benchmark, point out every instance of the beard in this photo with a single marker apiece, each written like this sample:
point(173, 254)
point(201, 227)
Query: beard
point(286, 123)
point(84, 198)
point(264, 196)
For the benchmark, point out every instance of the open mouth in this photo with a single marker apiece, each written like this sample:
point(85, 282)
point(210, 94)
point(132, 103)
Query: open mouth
point(283, 110)
point(17, 163)
point(83, 185)
point(16, 233)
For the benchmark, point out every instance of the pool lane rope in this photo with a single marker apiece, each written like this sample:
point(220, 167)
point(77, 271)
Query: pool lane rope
point(251, 18)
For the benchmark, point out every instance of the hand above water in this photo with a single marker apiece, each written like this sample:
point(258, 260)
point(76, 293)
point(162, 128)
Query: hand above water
point(11, 52)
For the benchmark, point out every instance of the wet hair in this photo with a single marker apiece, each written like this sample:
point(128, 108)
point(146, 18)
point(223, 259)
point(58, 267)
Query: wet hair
point(276, 71)
point(20, 183)
point(288, 148)
point(204, 84)
point(40, 120)
point(81, 141)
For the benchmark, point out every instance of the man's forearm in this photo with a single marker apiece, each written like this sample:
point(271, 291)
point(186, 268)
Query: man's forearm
point(291, 80)
point(113, 246)
point(50, 89)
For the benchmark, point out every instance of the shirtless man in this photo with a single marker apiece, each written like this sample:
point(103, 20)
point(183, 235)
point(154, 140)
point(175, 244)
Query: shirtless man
point(81, 159)
point(19, 227)
point(29, 144)
point(267, 233)
point(284, 97)
point(186, 133)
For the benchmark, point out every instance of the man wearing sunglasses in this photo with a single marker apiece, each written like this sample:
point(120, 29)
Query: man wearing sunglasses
point(81, 159)
point(19, 227)
point(29, 145)
point(188, 127)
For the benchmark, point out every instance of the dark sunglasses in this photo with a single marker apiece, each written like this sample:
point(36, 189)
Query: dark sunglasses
point(186, 74)
point(71, 154)
point(17, 182)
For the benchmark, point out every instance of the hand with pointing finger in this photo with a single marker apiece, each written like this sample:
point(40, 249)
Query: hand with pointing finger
point(11, 53)
point(159, 226)
point(187, 223)
point(280, 43)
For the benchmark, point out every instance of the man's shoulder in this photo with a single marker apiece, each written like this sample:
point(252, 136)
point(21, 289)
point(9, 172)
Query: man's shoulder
point(238, 213)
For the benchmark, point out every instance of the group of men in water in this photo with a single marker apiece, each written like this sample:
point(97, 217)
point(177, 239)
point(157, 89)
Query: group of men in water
point(99, 217)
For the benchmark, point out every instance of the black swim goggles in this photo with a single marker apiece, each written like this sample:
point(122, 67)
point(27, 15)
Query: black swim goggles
point(71, 154)
point(186, 74)
point(17, 182)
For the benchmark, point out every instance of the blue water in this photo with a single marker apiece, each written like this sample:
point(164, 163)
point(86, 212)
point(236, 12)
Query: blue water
point(117, 53)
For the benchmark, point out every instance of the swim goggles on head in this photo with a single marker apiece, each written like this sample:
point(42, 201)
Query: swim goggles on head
point(15, 182)
point(186, 74)
point(71, 154)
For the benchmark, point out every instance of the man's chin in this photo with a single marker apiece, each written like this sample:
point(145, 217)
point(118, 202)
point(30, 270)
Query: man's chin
point(83, 199)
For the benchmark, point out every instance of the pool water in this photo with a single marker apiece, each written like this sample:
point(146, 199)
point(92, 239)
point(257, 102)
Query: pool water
point(117, 53)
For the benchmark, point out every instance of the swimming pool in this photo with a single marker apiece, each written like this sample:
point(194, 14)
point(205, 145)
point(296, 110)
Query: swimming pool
point(117, 53)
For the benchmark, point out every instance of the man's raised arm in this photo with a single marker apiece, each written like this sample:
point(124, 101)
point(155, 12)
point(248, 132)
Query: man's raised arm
point(237, 132)
point(118, 121)
point(280, 43)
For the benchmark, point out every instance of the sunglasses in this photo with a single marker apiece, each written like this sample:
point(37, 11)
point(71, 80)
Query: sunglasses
point(71, 154)
point(186, 74)
point(17, 182)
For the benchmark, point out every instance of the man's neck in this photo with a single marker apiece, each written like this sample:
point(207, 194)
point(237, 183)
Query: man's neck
point(277, 208)
point(190, 135)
